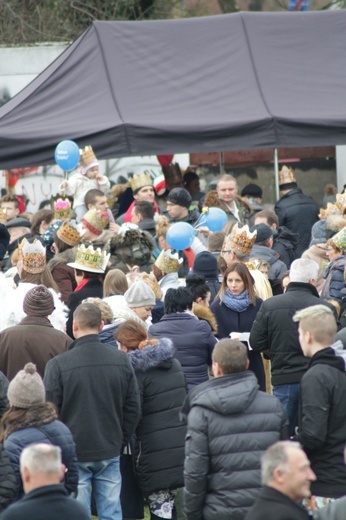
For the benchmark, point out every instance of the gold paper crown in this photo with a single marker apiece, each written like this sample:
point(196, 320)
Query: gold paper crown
point(33, 255)
point(95, 220)
point(87, 156)
point(90, 259)
point(341, 202)
point(62, 209)
point(139, 180)
point(286, 176)
point(69, 234)
point(3, 215)
point(340, 240)
point(240, 241)
point(168, 262)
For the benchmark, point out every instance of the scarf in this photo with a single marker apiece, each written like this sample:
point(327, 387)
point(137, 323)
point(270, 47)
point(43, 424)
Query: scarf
point(236, 302)
point(82, 284)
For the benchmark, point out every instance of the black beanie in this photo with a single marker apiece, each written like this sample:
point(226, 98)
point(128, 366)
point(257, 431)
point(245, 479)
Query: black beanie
point(205, 264)
point(180, 196)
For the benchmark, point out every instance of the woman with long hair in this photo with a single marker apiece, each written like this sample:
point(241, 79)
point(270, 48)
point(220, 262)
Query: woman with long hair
point(201, 296)
point(235, 310)
point(160, 435)
point(30, 419)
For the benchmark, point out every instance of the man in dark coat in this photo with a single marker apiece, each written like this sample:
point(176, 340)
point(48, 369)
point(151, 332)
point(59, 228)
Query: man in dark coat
point(42, 472)
point(94, 384)
point(286, 477)
point(274, 330)
point(295, 210)
point(34, 339)
point(284, 241)
point(322, 411)
point(230, 424)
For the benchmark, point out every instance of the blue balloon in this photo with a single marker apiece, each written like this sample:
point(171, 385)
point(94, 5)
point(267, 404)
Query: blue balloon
point(215, 219)
point(67, 155)
point(180, 235)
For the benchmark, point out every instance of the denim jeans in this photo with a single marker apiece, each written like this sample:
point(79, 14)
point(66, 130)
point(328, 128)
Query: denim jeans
point(288, 396)
point(104, 478)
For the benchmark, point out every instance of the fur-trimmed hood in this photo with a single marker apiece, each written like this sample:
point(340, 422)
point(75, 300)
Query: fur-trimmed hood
point(133, 248)
point(67, 256)
point(152, 356)
point(35, 416)
point(205, 313)
point(212, 200)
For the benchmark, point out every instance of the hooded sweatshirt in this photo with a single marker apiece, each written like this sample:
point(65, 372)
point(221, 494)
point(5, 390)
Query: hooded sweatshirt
point(322, 419)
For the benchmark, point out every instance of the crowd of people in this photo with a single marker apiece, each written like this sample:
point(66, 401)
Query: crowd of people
point(133, 374)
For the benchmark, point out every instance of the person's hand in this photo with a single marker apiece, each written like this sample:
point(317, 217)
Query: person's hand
point(204, 230)
point(114, 227)
point(63, 185)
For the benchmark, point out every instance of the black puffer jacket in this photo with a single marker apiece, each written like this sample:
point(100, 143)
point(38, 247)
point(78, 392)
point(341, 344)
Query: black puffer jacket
point(160, 433)
point(298, 212)
point(230, 424)
point(274, 330)
point(322, 420)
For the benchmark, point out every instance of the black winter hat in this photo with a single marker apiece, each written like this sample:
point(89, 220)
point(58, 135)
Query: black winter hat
point(252, 190)
point(180, 196)
point(263, 232)
point(205, 264)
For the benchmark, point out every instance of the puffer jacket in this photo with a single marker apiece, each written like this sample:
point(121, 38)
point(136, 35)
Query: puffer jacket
point(160, 433)
point(193, 340)
point(62, 273)
point(41, 425)
point(230, 424)
point(277, 267)
point(322, 420)
point(298, 212)
point(334, 279)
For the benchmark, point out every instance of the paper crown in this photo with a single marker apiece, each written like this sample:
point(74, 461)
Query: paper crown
point(168, 262)
point(286, 176)
point(3, 215)
point(139, 180)
point(240, 241)
point(95, 220)
point(62, 209)
point(90, 259)
point(341, 202)
point(331, 209)
point(339, 240)
point(33, 255)
point(87, 159)
point(69, 234)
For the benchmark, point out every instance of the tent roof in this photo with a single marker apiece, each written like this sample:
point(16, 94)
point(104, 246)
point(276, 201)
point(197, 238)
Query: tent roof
point(230, 82)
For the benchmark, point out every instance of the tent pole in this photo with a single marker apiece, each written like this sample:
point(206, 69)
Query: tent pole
point(221, 163)
point(276, 172)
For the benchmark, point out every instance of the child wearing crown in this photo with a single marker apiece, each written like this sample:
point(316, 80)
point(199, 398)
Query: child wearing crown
point(88, 178)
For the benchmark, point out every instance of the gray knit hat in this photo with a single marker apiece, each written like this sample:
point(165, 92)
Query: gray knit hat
point(140, 295)
point(27, 388)
point(38, 301)
point(318, 233)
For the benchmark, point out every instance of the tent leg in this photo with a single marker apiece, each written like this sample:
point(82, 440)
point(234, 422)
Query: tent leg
point(221, 163)
point(276, 172)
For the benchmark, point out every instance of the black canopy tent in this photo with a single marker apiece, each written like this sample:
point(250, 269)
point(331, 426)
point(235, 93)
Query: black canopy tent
point(231, 82)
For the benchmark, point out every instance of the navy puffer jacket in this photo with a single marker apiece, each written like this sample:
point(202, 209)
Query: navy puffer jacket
point(54, 432)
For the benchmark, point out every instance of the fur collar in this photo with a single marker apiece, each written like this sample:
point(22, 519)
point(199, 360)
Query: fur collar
point(205, 313)
point(212, 200)
point(35, 416)
point(152, 356)
point(67, 256)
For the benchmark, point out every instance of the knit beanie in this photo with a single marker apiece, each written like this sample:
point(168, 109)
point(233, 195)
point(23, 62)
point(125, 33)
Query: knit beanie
point(180, 196)
point(205, 264)
point(38, 301)
point(140, 295)
point(318, 233)
point(27, 388)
